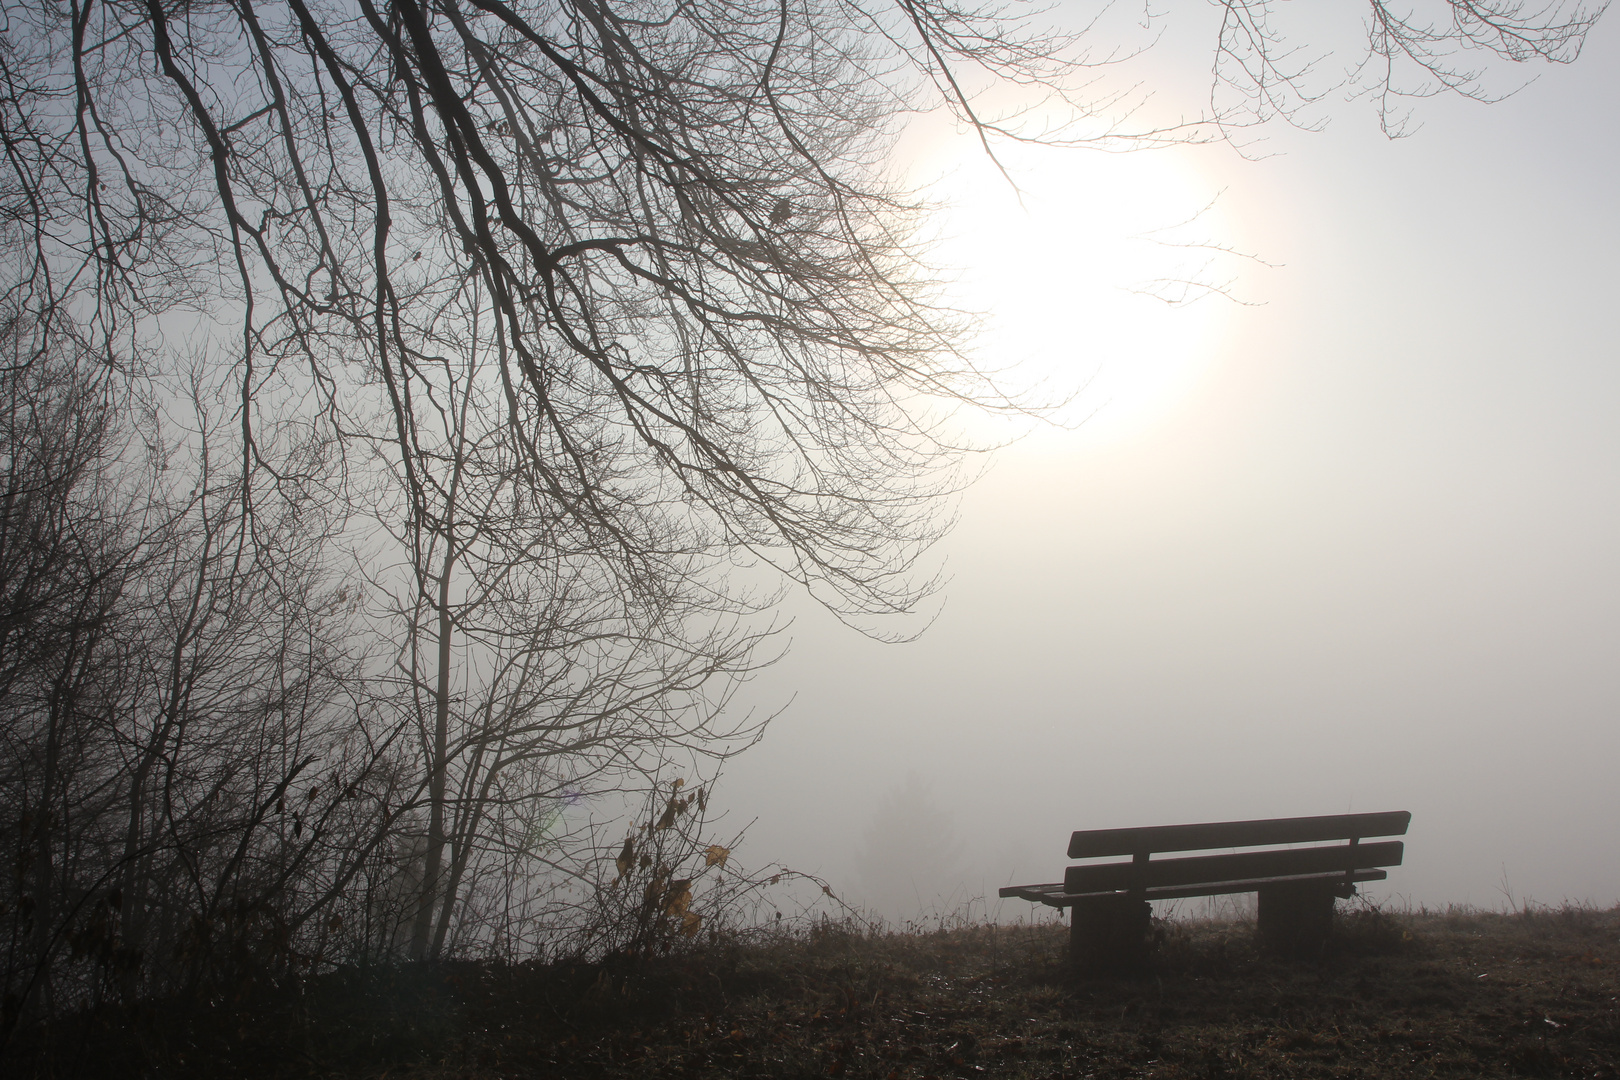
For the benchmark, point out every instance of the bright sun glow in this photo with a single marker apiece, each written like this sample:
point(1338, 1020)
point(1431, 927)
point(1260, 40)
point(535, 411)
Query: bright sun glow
point(1083, 274)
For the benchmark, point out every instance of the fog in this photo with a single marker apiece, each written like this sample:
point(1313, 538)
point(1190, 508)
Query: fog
point(1362, 557)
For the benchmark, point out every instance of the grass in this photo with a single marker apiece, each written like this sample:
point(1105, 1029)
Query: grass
point(1459, 993)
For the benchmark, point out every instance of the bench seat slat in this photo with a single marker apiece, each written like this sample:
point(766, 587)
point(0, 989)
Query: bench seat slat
point(1247, 865)
point(1225, 887)
point(1055, 895)
point(1097, 843)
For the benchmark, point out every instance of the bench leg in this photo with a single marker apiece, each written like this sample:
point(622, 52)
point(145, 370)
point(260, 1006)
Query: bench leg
point(1108, 935)
point(1295, 920)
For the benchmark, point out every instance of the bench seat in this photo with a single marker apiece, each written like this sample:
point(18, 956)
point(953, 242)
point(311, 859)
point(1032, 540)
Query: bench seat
point(1055, 895)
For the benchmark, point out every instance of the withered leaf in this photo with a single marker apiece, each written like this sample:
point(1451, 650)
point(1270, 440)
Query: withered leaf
point(715, 855)
point(655, 887)
point(674, 810)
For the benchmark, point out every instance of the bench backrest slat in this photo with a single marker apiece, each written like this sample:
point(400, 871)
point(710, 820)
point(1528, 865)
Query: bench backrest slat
point(1241, 866)
point(1228, 834)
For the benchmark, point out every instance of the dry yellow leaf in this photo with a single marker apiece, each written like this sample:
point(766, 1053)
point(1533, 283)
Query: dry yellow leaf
point(678, 898)
point(715, 855)
point(691, 924)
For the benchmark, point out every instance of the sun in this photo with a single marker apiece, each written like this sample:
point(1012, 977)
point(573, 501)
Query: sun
point(1093, 275)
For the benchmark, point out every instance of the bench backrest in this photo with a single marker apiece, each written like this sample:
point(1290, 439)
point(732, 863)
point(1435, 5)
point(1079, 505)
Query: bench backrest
point(1142, 873)
point(1231, 834)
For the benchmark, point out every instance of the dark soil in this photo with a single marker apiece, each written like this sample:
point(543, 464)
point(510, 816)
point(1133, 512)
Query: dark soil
point(1467, 995)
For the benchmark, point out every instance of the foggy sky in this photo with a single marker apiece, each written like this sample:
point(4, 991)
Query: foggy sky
point(1367, 563)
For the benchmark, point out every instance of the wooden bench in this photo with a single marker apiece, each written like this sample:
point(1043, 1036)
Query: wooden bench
point(1297, 885)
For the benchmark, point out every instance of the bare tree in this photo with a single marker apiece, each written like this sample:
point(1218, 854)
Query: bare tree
point(174, 700)
point(536, 678)
point(668, 222)
point(1414, 51)
point(67, 551)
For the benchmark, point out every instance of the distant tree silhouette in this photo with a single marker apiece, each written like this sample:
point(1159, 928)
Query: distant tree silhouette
point(910, 853)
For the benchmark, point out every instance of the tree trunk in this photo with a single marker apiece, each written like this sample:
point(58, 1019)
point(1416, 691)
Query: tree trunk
point(433, 857)
point(44, 914)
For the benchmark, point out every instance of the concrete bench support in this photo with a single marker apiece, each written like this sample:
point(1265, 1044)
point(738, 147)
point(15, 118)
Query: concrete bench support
point(1109, 935)
point(1295, 920)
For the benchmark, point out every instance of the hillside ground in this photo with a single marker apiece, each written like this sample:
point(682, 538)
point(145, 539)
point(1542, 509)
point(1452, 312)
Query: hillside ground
point(1465, 994)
